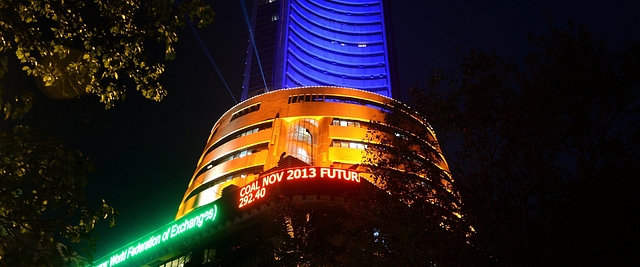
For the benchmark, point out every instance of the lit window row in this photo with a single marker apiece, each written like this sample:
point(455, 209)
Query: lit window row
point(223, 179)
point(333, 98)
point(245, 111)
point(346, 123)
point(352, 73)
point(356, 101)
point(306, 98)
point(321, 28)
point(333, 10)
point(302, 53)
point(252, 131)
point(314, 12)
point(349, 144)
point(241, 154)
point(260, 127)
point(237, 155)
point(302, 38)
point(179, 262)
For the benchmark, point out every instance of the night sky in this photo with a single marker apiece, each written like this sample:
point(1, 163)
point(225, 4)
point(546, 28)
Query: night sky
point(146, 152)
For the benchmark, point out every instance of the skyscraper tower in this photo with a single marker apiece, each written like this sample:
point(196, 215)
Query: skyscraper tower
point(318, 72)
point(296, 43)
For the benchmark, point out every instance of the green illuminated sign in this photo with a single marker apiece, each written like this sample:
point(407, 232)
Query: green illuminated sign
point(159, 236)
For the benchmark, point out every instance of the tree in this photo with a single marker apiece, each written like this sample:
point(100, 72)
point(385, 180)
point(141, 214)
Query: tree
point(43, 199)
point(544, 153)
point(73, 47)
point(304, 235)
point(411, 216)
point(92, 46)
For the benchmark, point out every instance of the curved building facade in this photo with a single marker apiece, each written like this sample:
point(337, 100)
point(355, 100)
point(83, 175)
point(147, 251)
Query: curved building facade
point(300, 133)
point(298, 43)
point(320, 128)
point(303, 144)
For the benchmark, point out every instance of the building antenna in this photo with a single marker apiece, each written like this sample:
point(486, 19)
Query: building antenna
point(255, 49)
point(210, 59)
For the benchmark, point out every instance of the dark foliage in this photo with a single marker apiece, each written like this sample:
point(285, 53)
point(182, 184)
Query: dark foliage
point(542, 160)
point(545, 152)
point(74, 48)
point(42, 200)
point(93, 47)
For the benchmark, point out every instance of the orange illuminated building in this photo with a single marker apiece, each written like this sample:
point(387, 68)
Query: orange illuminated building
point(302, 143)
point(319, 125)
point(305, 144)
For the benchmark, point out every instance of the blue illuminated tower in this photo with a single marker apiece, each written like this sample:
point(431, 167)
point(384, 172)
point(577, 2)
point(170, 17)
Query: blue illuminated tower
point(304, 144)
point(297, 43)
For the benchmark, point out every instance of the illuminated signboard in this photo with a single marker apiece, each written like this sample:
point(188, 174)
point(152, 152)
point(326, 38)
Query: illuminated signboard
point(160, 236)
point(258, 188)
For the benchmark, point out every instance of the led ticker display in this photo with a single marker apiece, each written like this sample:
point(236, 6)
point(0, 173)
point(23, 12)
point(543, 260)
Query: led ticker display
point(258, 188)
point(160, 236)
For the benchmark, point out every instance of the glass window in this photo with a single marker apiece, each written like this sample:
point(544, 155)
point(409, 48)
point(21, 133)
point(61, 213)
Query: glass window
point(179, 262)
point(349, 123)
point(347, 144)
point(209, 255)
point(245, 111)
